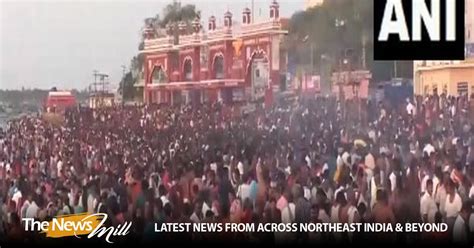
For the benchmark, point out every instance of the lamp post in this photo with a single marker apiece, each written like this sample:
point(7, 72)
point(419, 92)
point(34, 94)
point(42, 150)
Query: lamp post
point(340, 24)
point(307, 42)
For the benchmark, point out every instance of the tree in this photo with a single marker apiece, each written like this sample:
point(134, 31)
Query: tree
point(127, 87)
point(173, 14)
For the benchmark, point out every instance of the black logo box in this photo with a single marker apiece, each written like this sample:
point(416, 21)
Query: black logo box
point(394, 49)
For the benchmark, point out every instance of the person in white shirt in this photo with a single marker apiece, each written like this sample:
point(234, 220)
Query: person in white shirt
point(2, 166)
point(32, 210)
point(339, 164)
point(440, 194)
point(91, 202)
point(288, 213)
point(369, 162)
point(410, 107)
point(428, 149)
point(243, 192)
point(197, 216)
point(453, 203)
point(453, 110)
point(17, 196)
point(424, 182)
point(428, 206)
point(25, 206)
point(471, 192)
point(460, 229)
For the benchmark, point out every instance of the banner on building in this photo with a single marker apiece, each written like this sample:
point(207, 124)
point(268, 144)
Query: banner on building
point(311, 83)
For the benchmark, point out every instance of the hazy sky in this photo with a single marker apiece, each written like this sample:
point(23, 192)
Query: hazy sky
point(60, 42)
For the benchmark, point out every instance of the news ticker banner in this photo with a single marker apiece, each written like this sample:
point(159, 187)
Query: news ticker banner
point(301, 227)
point(93, 226)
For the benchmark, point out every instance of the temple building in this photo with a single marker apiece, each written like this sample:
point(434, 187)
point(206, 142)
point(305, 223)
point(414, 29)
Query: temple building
point(229, 63)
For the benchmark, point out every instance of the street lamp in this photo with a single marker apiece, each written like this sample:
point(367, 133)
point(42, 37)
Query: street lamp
point(340, 24)
point(342, 60)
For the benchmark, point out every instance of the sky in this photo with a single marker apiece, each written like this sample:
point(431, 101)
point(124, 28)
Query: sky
point(59, 43)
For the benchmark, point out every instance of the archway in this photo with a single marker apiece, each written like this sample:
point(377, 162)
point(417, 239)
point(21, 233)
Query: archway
point(218, 67)
point(158, 76)
point(258, 75)
point(218, 70)
point(188, 70)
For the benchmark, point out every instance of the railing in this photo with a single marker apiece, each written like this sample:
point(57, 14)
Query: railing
point(223, 32)
point(158, 43)
point(218, 34)
point(189, 39)
point(260, 26)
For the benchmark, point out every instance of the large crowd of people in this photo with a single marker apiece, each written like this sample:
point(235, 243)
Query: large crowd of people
point(298, 162)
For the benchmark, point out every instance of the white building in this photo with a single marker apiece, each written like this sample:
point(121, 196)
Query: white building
point(469, 21)
point(469, 39)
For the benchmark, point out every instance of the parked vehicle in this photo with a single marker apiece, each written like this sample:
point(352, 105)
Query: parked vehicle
point(58, 101)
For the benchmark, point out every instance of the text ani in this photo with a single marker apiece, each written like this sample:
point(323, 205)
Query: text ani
point(420, 13)
point(295, 227)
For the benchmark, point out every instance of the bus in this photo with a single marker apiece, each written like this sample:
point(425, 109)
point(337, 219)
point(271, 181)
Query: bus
point(58, 101)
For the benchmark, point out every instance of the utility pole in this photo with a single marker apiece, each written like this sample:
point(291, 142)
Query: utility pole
point(340, 26)
point(98, 88)
point(96, 73)
point(364, 60)
point(312, 57)
point(103, 82)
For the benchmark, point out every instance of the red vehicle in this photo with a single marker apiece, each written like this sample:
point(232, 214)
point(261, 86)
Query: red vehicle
point(58, 101)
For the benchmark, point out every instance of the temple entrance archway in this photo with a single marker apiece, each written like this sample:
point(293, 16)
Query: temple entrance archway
point(258, 74)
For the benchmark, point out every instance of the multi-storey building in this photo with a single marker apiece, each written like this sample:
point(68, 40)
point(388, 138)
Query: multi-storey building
point(229, 63)
point(449, 77)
